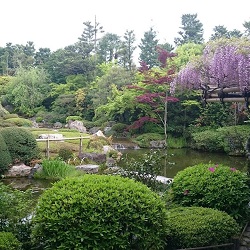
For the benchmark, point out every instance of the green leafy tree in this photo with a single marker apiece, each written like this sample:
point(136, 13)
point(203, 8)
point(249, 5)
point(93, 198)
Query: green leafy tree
point(221, 31)
point(89, 38)
point(109, 47)
point(102, 90)
point(70, 61)
point(27, 90)
point(191, 30)
point(185, 53)
point(246, 25)
point(115, 108)
point(42, 56)
point(4, 57)
point(127, 50)
point(235, 33)
point(148, 47)
point(167, 46)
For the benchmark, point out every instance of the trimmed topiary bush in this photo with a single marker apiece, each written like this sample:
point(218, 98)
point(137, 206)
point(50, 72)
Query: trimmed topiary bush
point(8, 116)
point(21, 144)
point(199, 227)
point(5, 158)
point(99, 212)
point(20, 122)
point(8, 241)
point(214, 186)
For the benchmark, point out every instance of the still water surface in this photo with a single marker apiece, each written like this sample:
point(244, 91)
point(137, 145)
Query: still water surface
point(179, 159)
point(176, 160)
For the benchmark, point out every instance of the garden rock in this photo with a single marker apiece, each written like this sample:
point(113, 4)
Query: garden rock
point(77, 125)
point(20, 170)
point(51, 136)
point(110, 162)
point(36, 168)
point(96, 157)
point(58, 125)
point(157, 144)
point(89, 168)
point(99, 133)
point(94, 130)
point(107, 148)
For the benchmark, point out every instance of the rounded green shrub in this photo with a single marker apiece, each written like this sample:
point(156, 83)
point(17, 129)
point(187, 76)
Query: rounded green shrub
point(99, 212)
point(119, 128)
point(8, 116)
point(21, 144)
point(5, 159)
point(214, 186)
point(192, 227)
point(8, 241)
point(20, 122)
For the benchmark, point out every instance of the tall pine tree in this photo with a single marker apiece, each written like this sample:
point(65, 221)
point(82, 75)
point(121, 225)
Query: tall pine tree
point(191, 30)
point(148, 46)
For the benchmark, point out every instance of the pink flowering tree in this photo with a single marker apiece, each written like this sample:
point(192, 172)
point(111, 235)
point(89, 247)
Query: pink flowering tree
point(225, 63)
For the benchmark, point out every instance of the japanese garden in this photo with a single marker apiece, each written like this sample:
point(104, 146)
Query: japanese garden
point(78, 106)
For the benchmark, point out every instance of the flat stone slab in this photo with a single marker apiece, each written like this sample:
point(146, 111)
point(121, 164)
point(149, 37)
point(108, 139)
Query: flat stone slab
point(89, 168)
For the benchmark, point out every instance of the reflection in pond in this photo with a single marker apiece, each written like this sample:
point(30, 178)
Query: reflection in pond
point(24, 183)
point(178, 159)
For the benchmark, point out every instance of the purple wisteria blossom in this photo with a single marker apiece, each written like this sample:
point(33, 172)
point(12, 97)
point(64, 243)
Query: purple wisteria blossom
point(223, 64)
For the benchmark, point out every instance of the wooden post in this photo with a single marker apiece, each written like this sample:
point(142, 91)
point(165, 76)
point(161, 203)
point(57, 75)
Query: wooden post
point(80, 146)
point(47, 149)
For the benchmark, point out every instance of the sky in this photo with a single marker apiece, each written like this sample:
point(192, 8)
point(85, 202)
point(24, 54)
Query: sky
point(58, 23)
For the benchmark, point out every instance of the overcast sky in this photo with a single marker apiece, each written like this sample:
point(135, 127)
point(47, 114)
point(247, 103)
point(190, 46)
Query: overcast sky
point(58, 23)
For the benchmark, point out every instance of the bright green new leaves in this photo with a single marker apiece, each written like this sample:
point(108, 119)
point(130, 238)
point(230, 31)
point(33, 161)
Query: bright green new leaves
point(215, 186)
point(28, 89)
point(199, 227)
point(99, 212)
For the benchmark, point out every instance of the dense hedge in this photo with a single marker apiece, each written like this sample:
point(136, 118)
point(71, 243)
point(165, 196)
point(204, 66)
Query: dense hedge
point(231, 140)
point(99, 212)
point(20, 143)
point(199, 227)
point(5, 158)
point(8, 241)
point(214, 186)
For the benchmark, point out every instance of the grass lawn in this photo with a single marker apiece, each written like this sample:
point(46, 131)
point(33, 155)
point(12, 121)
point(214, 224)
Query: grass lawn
point(55, 146)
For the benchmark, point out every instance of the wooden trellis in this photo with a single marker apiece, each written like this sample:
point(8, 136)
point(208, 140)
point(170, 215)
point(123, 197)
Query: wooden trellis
point(232, 94)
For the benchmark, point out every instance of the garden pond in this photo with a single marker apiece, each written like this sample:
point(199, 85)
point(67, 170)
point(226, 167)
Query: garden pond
point(176, 160)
